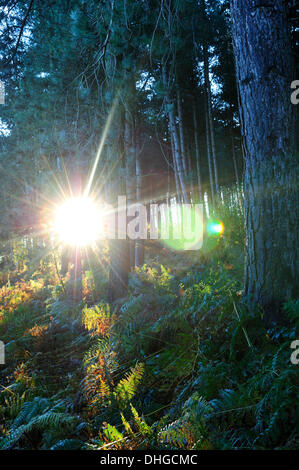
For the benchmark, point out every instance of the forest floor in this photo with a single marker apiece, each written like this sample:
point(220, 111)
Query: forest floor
point(183, 362)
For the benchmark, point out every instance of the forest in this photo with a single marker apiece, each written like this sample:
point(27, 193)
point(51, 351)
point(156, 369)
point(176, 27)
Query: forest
point(149, 225)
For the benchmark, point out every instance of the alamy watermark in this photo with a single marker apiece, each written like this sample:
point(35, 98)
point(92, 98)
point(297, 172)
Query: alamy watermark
point(295, 94)
point(295, 355)
point(182, 223)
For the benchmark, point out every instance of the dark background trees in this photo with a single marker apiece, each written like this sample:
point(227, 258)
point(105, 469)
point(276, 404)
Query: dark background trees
point(59, 83)
point(167, 71)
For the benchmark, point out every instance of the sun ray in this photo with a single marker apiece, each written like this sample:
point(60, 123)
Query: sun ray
point(100, 148)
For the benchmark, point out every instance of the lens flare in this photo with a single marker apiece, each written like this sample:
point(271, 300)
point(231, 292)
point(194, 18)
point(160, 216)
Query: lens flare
point(78, 221)
point(215, 227)
point(181, 227)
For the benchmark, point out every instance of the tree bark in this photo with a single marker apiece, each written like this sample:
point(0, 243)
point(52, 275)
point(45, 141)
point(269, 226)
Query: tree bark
point(175, 171)
point(181, 132)
point(118, 248)
point(264, 73)
point(119, 269)
point(130, 156)
point(75, 283)
point(197, 156)
point(235, 166)
point(177, 158)
point(174, 135)
point(139, 245)
point(234, 157)
point(210, 159)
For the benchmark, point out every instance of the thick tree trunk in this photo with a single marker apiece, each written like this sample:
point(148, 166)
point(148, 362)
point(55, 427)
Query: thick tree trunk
point(119, 263)
point(264, 73)
point(234, 158)
point(118, 248)
point(236, 167)
point(119, 269)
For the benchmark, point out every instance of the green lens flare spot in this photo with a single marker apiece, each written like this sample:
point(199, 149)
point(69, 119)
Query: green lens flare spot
point(215, 227)
point(181, 228)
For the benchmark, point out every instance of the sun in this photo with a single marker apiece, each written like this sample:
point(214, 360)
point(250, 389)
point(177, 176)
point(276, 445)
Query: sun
point(78, 221)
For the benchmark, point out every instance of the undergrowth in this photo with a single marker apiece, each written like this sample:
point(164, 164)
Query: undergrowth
point(181, 363)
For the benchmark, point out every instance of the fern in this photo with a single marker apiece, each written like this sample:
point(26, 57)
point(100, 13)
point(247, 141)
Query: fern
point(126, 425)
point(110, 435)
point(141, 425)
point(127, 387)
point(30, 410)
point(176, 435)
point(39, 415)
point(97, 319)
point(189, 431)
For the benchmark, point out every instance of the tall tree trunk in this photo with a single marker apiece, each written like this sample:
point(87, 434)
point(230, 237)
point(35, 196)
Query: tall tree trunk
point(77, 285)
point(75, 288)
point(190, 172)
point(210, 115)
point(235, 166)
point(175, 170)
point(139, 245)
point(264, 73)
point(130, 156)
point(209, 157)
point(197, 156)
point(118, 247)
point(177, 158)
point(175, 140)
point(181, 132)
point(185, 156)
point(234, 157)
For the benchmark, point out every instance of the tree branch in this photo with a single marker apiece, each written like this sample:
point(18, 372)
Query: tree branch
point(21, 31)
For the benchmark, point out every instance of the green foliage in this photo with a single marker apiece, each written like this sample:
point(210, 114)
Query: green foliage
point(97, 319)
point(40, 420)
point(208, 345)
point(141, 425)
point(188, 431)
point(115, 439)
point(182, 363)
point(127, 387)
point(182, 348)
